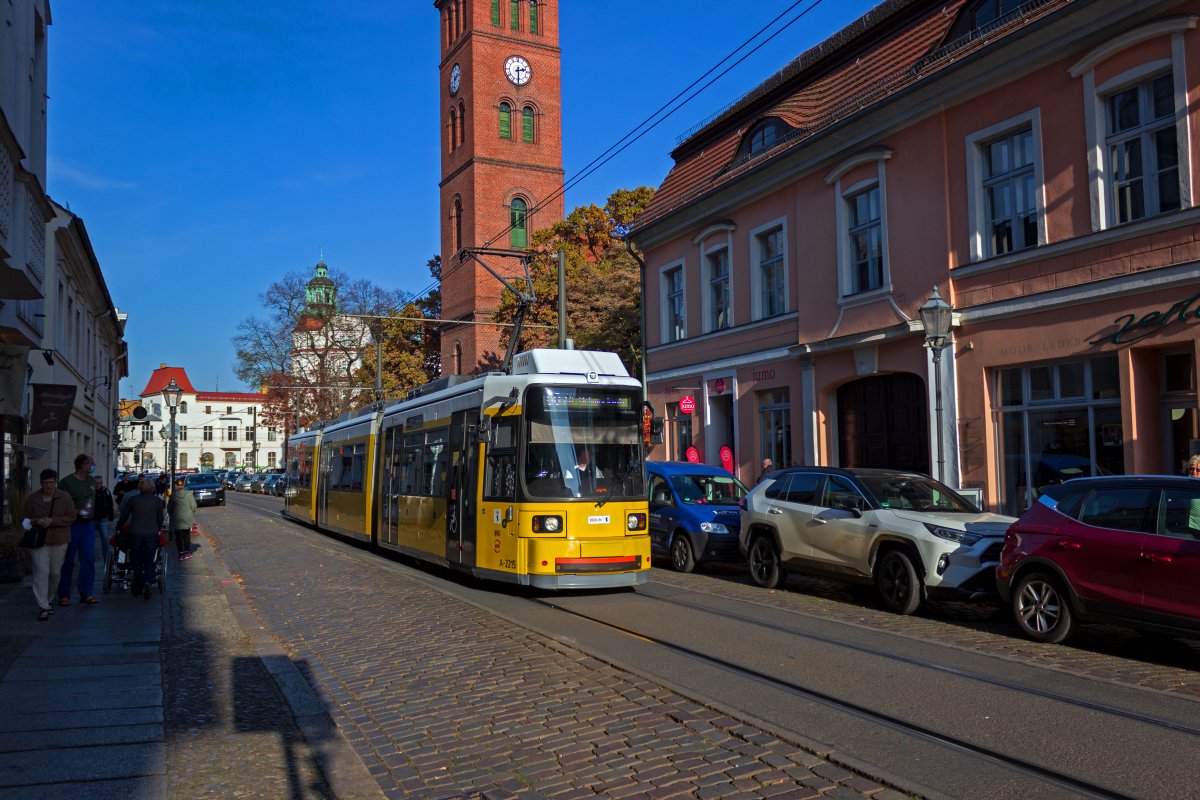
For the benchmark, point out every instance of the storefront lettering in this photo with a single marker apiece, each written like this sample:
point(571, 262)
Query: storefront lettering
point(1131, 328)
point(764, 374)
point(1048, 346)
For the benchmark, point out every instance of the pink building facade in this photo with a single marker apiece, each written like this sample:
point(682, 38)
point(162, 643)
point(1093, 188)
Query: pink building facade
point(1035, 161)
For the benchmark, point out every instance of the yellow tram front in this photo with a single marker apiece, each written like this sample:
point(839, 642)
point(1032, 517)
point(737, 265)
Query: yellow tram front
point(562, 488)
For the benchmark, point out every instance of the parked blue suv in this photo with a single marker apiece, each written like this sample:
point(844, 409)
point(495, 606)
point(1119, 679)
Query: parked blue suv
point(694, 513)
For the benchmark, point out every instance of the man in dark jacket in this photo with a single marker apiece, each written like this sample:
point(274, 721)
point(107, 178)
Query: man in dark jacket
point(104, 514)
point(144, 512)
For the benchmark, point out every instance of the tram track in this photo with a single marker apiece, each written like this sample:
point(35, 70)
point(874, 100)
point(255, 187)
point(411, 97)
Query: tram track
point(924, 732)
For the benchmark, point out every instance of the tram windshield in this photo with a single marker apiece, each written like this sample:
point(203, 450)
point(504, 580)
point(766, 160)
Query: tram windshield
point(583, 442)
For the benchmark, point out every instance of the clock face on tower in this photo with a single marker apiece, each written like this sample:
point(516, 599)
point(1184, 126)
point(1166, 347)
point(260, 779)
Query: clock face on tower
point(517, 70)
point(455, 78)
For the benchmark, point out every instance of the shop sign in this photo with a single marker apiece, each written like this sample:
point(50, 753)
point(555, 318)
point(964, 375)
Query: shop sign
point(1131, 328)
point(52, 404)
point(719, 386)
point(764, 374)
point(692, 455)
point(687, 404)
point(726, 458)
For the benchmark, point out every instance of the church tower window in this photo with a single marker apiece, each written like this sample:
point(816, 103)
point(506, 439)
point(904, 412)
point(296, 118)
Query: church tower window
point(496, 13)
point(505, 121)
point(533, 16)
point(452, 131)
point(514, 14)
point(527, 124)
point(518, 216)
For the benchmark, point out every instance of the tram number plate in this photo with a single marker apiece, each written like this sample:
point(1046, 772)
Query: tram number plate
point(508, 563)
point(602, 519)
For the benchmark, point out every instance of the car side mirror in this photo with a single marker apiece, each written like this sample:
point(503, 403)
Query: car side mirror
point(852, 507)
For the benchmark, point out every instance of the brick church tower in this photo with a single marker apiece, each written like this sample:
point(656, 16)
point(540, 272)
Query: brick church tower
point(501, 123)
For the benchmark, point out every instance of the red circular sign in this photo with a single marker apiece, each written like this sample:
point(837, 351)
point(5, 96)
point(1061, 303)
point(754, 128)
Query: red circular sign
point(727, 458)
point(692, 455)
point(719, 385)
point(687, 404)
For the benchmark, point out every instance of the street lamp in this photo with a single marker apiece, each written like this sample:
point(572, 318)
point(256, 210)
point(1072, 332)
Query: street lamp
point(171, 395)
point(936, 317)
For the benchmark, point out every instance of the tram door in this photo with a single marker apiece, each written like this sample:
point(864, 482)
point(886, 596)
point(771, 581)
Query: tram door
point(324, 474)
point(460, 502)
point(389, 486)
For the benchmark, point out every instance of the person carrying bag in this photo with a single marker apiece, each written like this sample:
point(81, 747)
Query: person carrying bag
point(52, 510)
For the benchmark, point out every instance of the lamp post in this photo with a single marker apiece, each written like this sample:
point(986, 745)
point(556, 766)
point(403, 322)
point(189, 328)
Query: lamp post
point(171, 395)
point(936, 317)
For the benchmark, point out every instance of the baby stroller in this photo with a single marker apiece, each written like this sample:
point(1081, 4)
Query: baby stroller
point(118, 567)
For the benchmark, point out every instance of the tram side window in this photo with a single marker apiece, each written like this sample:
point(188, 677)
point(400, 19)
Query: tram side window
point(435, 459)
point(500, 477)
point(410, 472)
point(353, 477)
point(339, 468)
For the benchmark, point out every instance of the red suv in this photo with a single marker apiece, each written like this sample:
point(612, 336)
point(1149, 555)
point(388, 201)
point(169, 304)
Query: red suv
point(1121, 550)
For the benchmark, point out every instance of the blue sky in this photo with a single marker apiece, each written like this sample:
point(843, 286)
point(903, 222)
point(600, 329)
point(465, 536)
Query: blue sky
point(210, 147)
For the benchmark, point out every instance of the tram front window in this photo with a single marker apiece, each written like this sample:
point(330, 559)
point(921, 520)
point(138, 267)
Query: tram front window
point(583, 442)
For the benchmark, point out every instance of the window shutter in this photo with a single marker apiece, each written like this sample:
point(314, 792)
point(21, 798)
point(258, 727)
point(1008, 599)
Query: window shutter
point(505, 121)
point(533, 16)
point(496, 13)
point(527, 124)
point(514, 14)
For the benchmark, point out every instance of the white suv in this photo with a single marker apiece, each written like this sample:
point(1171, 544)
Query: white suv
point(910, 535)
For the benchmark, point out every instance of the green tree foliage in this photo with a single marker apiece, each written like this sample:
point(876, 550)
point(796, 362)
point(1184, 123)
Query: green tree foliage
point(603, 280)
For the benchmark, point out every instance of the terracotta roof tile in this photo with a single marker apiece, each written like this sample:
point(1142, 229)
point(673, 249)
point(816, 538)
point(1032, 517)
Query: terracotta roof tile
point(161, 377)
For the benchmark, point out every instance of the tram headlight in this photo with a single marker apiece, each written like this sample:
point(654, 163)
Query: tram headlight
point(636, 522)
point(547, 523)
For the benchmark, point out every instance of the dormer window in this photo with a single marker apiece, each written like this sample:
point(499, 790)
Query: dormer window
point(981, 14)
point(763, 136)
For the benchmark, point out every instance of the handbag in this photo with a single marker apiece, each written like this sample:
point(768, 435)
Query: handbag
point(34, 538)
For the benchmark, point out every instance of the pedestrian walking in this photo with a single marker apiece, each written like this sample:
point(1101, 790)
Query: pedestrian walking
point(768, 466)
point(144, 513)
point(182, 510)
point(1191, 468)
point(104, 514)
point(82, 548)
point(54, 510)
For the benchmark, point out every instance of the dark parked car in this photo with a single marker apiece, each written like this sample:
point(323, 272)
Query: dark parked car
point(1121, 550)
point(279, 487)
point(268, 483)
point(694, 513)
point(206, 488)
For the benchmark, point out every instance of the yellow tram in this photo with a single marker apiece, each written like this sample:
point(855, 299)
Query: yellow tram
point(533, 477)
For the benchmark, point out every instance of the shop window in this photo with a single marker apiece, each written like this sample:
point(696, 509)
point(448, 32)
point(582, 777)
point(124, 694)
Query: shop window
point(674, 304)
point(682, 436)
point(775, 426)
point(1057, 421)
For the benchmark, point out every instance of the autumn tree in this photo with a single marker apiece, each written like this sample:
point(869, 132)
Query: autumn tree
point(411, 347)
point(603, 280)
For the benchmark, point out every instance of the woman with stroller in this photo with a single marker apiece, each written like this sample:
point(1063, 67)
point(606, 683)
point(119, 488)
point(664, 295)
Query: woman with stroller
point(182, 509)
point(144, 513)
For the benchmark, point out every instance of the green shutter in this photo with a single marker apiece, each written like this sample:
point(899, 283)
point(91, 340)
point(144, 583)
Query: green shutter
point(514, 15)
point(516, 216)
point(527, 124)
point(505, 121)
point(496, 13)
point(533, 19)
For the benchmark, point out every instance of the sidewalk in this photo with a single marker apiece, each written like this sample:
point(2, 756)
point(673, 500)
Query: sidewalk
point(183, 696)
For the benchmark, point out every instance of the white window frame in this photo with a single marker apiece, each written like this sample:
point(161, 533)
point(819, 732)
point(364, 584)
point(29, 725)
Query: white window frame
point(846, 293)
point(664, 282)
point(976, 174)
point(756, 283)
point(707, 254)
point(1096, 109)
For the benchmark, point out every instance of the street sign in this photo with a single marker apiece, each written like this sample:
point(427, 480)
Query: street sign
point(692, 455)
point(687, 404)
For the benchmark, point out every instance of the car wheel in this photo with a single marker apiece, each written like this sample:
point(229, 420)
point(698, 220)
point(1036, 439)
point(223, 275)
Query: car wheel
point(682, 558)
point(898, 583)
point(765, 568)
point(1041, 609)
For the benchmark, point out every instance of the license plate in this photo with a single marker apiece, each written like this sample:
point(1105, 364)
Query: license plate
point(603, 519)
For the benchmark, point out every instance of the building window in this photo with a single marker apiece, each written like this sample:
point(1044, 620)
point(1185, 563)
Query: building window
point(230, 460)
point(183, 433)
point(514, 14)
point(147, 434)
point(183, 407)
point(231, 433)
point(208, 409)
point(271, 460)
point(1143, 149)
point(183, 461)
point(249, 434)
point(1009, 193)
point(228, 409)
point(505, 121)
point(272, 434)
point(207, 434)
point(496, 13)
point(865, 222)
point(458, 358)
point(462, 123)
point(675, 307)
point(775, 426)
point(718, 289)
point(527, 124)
point(452, 131)
point(770, 274)
point(1057, 421)
point(533, 16)
point(518, 218)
